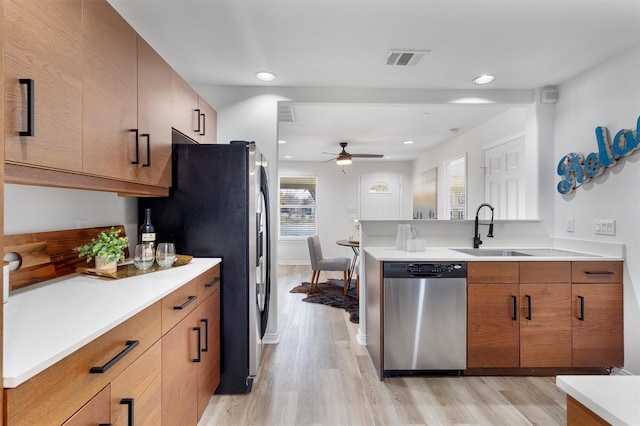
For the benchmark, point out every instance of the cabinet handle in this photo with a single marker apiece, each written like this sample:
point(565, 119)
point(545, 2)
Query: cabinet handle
point(129, 403)
point(528, 307)
point(515, 308)
point(148, 163)
point(204, 121)
point(581, 316)
point(137, 148)
point(30, 107)
point(206, 334)
point(199, 345)
point(598, 272)
point(105, 424)
point(102, 369)
point(212, 283)
point(185, 304)
point(198, 112)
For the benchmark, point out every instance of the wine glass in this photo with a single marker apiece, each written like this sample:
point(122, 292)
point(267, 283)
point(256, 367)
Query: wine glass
point(166, 254)
point(143, 257)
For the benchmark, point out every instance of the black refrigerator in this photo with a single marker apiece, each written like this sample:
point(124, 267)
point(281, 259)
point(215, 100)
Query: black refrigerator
point(218, 206)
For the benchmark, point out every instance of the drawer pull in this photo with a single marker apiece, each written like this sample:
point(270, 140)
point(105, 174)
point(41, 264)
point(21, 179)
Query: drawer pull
point(599, 272)
point(130, 345)
point(212, 283)
point(581, 316)
point(148, 163)
point(129, 403)
point(30, 107)
point(198, 113)
point(515, 308)
point(185, 304)
point(528, 307)
point(137, 147)
point(198, 329)
point(206, 334)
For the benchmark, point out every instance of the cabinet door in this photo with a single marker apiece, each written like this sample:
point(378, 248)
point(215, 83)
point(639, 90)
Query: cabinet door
point(185, 111)
point(180, 373)
point(154, 117)
point(597, 324)
point(492, 326)
point(110, 106)
point(43, 42)
point(209, 368)
point(208, 122)
point(135, 393)
point(545, 325)
point(95, 412)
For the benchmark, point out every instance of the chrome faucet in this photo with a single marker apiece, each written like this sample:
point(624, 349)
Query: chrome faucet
point(476, 234)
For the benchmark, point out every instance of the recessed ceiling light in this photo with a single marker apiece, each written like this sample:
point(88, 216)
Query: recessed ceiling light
point(484, 79)
point(407, 142)
point(281, 142)
point(288, 157)
point(265, 76)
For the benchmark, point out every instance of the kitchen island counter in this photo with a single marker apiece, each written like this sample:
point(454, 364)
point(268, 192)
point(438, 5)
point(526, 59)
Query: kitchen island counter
point(615, 399)
point(436, 254)
point(44, 323)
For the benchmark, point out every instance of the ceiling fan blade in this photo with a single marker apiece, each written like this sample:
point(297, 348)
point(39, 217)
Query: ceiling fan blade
point(367, 155)
point(330, 159)
point(330, 153)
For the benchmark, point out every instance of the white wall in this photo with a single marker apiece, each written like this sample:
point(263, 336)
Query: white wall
point(337, 201)
point(36, 208)
point(607, 95)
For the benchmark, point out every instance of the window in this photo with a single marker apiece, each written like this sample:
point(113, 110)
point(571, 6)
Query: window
point(297, 206)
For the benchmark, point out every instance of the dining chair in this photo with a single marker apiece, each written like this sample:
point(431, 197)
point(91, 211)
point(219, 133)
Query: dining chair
point(320, 263)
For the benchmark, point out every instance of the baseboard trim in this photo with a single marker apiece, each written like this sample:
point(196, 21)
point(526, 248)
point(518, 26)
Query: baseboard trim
point(271, 338)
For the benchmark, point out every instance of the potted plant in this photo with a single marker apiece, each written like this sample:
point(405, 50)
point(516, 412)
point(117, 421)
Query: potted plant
point(107, 248)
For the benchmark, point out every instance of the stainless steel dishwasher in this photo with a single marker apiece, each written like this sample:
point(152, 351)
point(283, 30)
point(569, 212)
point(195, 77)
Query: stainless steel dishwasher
point(425, 318)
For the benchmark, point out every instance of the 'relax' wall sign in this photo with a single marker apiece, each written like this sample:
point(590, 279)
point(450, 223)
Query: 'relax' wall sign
point(575, 169)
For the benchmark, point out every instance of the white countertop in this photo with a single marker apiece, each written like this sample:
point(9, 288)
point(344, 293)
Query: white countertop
point(45, 322)
point(438, 254)
point(616, 399)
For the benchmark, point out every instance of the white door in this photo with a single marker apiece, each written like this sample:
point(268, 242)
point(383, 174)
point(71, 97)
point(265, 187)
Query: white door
point(380, 197)
point(504, 178)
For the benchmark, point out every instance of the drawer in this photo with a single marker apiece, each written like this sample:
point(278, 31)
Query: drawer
point(179, 304)
point(53, 395)
point(545, 272)
point(596, 272)
point(207, 282)
point(493, 272)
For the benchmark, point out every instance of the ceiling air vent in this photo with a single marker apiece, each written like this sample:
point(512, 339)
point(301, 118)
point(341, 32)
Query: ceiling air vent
point(405, 57)
point(285, 113)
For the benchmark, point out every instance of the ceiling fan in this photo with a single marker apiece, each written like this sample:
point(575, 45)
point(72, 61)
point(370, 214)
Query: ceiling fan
point(344, 158)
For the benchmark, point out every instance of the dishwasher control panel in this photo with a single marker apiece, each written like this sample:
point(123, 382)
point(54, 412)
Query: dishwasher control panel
point(431, 269)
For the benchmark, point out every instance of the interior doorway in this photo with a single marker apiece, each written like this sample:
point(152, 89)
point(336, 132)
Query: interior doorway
point(504, 182)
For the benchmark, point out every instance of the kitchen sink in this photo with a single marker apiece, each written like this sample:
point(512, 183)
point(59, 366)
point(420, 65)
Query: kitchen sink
point(491, 252)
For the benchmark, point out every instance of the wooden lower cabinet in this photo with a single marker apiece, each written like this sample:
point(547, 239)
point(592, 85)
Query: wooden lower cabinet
point(191, 364)
point(579, 415)
point(95, 412)
point(544, 314)
point(135, 393)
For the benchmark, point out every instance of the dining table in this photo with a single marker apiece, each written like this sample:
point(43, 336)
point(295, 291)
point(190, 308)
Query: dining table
point(355, 246)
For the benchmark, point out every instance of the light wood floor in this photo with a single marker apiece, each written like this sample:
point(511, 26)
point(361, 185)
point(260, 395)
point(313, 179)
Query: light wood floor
point(319, 375)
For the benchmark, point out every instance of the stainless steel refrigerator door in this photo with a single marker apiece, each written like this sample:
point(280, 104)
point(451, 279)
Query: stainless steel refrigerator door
point(425, 323)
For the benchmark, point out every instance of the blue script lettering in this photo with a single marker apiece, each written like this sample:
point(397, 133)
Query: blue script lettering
point(576, 170)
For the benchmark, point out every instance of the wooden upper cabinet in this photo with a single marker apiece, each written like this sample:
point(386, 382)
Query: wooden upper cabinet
point(185, 110)
point(154, 116)
point(43, 43)
point(110, 106)
point(208, 122)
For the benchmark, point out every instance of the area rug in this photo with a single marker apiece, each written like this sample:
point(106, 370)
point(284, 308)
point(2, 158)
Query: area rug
point(330, 293)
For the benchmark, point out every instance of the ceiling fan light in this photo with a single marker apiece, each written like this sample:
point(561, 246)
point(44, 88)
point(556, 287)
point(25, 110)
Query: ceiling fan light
point(343, 160)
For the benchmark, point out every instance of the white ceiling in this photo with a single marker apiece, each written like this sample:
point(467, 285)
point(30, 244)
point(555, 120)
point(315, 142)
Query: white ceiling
point(527, 44)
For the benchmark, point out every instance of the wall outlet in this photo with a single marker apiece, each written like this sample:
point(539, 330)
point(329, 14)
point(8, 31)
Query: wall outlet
point(605, 226)
point(81, 223)
point(570, 224)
